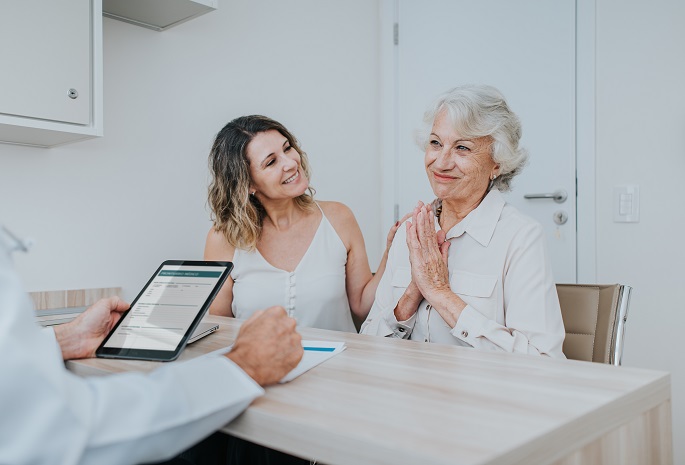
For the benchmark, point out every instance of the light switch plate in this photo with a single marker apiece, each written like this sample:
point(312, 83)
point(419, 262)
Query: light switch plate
point(627, 204)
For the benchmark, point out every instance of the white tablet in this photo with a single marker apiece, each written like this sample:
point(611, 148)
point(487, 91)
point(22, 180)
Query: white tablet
point(166, 312)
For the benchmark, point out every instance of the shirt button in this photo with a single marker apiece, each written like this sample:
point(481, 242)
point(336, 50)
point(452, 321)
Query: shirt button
point(428, 307)
point(465, 334)
point(425, 340)
point(400, 330)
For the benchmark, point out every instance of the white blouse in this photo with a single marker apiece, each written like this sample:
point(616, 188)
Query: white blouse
point(499, 266)
point(314, 294)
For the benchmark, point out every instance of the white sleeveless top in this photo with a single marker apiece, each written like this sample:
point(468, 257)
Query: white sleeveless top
point(314, 294)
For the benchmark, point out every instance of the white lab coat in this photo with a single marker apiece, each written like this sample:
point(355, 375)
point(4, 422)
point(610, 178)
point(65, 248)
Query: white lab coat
point(48, 415)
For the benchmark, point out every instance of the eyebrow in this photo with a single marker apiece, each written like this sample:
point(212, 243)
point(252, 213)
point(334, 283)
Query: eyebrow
point(286, 142)
point(456, 141)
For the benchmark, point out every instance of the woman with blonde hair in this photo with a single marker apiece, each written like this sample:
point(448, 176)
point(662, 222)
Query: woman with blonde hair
point(287, 249)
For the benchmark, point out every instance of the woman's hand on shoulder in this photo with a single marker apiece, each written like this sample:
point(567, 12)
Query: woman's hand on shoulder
point(393, 230)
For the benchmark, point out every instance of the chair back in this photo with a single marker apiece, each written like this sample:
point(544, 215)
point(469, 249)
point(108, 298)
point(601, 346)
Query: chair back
point(594, 318)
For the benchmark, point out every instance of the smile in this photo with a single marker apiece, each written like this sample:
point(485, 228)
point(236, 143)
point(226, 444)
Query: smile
point(292, 178)
point(442, 177)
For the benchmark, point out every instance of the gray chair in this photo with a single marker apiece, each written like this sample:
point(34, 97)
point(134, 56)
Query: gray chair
point(594, 318)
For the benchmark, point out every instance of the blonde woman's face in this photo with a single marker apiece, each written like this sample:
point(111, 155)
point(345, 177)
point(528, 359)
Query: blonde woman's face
point(458, 168)
point(275, 167)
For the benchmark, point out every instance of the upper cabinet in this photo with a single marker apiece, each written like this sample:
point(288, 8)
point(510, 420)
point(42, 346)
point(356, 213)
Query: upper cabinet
point(51, 63)
point(51, 80)
point(156, 14)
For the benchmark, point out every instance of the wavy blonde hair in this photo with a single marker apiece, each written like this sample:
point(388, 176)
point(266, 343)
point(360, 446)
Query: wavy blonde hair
point(235, 213)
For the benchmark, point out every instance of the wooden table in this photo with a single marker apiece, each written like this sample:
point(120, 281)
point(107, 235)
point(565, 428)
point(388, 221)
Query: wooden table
point(386, 401)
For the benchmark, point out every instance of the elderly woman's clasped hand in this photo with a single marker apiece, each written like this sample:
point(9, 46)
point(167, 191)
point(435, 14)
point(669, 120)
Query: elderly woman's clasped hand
point(427, 253)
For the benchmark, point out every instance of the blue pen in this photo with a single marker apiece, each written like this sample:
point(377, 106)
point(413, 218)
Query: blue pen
point(320, 349)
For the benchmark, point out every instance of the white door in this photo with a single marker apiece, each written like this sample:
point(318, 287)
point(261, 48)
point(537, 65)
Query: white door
point(525, 48)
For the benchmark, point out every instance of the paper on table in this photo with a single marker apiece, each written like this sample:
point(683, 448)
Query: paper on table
point(315, 353)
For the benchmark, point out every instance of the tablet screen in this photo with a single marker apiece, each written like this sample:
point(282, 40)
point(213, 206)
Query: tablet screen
point(164, 314)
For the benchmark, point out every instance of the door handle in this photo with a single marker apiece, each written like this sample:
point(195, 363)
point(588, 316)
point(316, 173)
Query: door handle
point(559, 196)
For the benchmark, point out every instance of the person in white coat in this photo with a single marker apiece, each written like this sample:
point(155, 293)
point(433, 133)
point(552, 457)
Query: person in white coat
point(50, 415)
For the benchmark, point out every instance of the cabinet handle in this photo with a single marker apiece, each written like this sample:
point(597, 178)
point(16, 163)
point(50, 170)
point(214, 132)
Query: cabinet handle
point(73, 93)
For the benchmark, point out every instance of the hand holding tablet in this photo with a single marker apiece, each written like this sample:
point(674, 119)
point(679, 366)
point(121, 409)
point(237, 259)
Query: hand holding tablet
point(166, 312)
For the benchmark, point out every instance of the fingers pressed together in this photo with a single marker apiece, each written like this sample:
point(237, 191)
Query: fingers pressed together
point(427, 250)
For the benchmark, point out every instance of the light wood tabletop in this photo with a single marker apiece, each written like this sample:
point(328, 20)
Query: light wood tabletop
point(386, 401)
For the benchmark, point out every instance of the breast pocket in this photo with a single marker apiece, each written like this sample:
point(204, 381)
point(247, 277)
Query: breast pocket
point(477, 290)
point(400, 279)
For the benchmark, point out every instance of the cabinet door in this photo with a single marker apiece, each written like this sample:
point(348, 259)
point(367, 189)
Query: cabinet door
point(45, 53)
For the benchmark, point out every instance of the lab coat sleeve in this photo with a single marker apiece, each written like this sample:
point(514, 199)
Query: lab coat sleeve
point(533, 317)
point(50, 415)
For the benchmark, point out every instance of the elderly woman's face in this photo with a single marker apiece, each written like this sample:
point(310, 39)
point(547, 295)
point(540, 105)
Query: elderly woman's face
point(458, 168)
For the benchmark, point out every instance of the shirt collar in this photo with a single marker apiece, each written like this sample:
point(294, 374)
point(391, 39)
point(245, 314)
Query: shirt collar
point(480, 223)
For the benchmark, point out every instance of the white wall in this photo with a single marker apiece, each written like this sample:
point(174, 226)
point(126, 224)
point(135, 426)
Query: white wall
point(641, 140)
point(106, 212)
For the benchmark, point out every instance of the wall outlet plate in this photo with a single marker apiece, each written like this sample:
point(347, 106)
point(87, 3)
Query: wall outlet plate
point(627, 204)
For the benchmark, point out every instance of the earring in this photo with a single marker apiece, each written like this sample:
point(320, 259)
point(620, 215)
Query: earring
point(492, 182)
point(253, 193)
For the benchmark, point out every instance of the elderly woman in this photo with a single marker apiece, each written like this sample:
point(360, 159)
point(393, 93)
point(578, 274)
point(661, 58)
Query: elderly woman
point(474, 271)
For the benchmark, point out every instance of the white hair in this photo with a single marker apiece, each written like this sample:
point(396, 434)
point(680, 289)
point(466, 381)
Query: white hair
point(481, 111)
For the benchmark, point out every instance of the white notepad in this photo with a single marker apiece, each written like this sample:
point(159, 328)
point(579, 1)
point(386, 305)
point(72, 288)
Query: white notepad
point(315, 353)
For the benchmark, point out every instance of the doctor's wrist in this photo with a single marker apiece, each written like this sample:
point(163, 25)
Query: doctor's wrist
point(69, 341)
